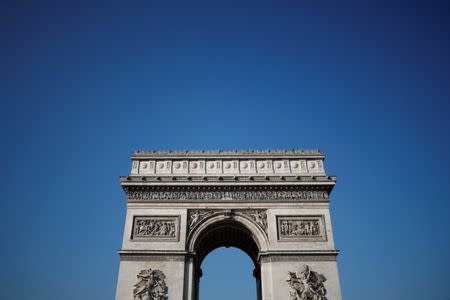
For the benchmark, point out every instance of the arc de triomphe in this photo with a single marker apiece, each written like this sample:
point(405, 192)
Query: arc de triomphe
point(273, 205)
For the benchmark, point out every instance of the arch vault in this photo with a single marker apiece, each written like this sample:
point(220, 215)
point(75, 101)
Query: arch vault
point(273, 205)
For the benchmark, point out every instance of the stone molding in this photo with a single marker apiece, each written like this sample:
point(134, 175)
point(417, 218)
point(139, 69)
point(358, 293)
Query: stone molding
point(180, 153)
point(232, 179)
point(126, 257)
point(145, 255)
point(298, 256)
point(229, 194)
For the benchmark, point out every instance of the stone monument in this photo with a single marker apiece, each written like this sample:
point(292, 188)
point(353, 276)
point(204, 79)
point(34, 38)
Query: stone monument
point(273, 205)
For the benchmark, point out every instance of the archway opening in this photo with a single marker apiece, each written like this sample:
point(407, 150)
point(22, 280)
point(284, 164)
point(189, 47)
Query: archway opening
point(227, 233)
point(227, 274)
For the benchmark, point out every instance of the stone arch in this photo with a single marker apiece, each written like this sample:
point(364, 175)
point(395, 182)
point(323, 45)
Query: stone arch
point(227, 229)
point(221, 220)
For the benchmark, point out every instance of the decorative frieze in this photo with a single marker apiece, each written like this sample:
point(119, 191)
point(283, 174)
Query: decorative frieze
point(156, 227)
point(156, 194)
point(301, 228)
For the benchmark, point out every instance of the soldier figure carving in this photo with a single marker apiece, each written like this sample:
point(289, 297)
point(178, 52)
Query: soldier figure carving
point(306, 285)
point(150, 286)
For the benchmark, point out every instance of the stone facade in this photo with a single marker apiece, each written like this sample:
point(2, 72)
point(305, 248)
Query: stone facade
point(272, 204)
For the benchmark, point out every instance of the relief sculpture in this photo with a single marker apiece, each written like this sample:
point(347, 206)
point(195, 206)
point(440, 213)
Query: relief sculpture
point(258, 216)
point(306, 285)
point(299, 228)
point(151, 285)
point(195, 216)
point(155, 227)
point(296, 228)
point(239, 195)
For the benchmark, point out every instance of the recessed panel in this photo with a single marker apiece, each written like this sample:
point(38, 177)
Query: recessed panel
point(247, 166)
point(298, 228)
point(197, 167)
point(281, 166)
point(230, 166)
point(163, 167)
point(154, 228)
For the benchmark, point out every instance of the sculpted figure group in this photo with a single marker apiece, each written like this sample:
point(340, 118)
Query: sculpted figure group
point(300, 228)
point(306, 285)
point(151, 285)
point(155, 228)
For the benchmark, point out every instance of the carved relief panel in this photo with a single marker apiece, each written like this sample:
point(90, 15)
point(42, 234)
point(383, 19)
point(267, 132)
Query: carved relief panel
point(214, 167)
point(247, 166)
point(281, 166)
point(156, 228)
point(151, 285)
point(264, 166)
point(306, 284)
point(230, 166)
point(164, 167)
point(197, 167)
point(180, 167)
point(295, 228)
point(147, 167)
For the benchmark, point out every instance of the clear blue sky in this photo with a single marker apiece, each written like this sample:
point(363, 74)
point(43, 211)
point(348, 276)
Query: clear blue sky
point(85, 83)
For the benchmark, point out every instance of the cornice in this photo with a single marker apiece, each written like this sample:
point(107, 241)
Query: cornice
point(226, 180)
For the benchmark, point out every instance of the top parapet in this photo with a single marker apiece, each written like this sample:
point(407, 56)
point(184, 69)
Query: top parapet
point(226, 153)
point(230, 162)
